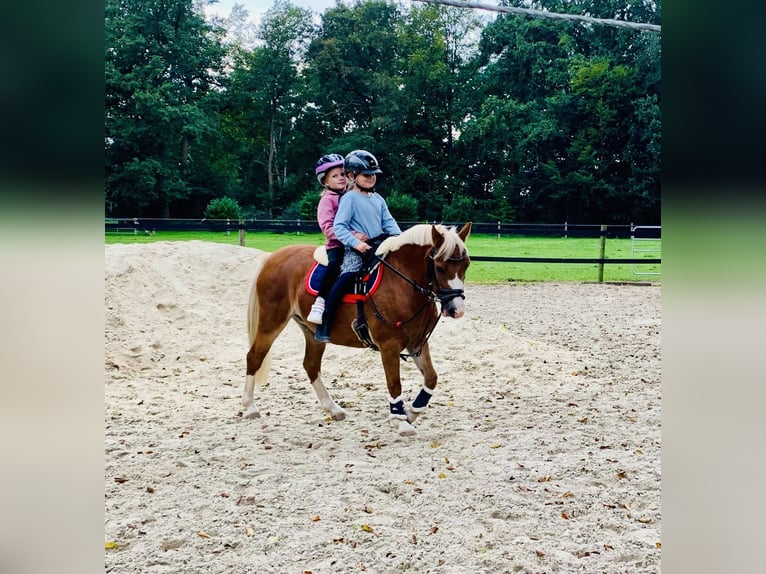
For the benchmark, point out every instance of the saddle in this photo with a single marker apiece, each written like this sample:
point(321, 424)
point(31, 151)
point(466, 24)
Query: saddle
point(366, 283)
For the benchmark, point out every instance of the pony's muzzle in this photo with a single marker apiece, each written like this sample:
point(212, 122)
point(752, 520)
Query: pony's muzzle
point(454, 311)
point(453, 302)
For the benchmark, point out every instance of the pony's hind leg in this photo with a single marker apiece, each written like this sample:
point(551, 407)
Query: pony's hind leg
point(263, 325)
point(258, 366)
point(312, 362)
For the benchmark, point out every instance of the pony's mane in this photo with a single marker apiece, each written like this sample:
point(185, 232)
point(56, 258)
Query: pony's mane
point(421, 235)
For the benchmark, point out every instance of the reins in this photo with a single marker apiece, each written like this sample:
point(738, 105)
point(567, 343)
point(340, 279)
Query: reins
point(440, 294)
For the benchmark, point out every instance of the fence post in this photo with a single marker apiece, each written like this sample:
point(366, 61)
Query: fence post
point(498, 230)
point(241, 234)
point(566, 229)
point(602, 252)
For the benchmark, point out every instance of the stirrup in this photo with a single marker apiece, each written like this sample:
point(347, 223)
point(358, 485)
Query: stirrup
point(362, 332)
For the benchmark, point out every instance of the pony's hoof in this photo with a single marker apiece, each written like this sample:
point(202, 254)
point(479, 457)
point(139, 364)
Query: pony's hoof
point(251, 412)
point(406, 429)
point(339, 416)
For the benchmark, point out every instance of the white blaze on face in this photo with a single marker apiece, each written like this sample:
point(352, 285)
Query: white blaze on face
point(458, 303)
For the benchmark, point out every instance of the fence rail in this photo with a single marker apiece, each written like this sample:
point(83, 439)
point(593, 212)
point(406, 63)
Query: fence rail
point(149, 225)
point(136, 225)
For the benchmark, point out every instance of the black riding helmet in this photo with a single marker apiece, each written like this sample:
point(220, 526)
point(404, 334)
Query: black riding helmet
point(361, 161)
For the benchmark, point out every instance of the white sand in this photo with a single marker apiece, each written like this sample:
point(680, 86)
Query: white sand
point(540, 451)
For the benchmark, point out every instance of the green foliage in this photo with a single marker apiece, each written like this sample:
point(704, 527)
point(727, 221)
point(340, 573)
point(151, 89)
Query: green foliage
point(250, 212)
point(292, 211)
point(307, 207)
point(160, 62)
point(223, 208)
point(459, 209)
point(513, 118)
point(403, 207)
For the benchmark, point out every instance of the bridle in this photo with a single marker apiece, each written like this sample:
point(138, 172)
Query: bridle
point(443, 294)
point(432, 292)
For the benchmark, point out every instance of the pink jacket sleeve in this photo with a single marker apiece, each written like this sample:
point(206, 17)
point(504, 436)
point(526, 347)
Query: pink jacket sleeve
point(326, 210)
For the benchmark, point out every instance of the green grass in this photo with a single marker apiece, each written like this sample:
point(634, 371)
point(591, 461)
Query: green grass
point(486, 245)
point(264, 241)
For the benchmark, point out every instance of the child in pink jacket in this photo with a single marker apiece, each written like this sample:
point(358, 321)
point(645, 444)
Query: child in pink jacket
point(331, 176)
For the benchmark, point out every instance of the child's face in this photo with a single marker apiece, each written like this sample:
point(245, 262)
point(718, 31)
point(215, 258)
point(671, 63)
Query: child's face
point(365, 181)
point(335, 179)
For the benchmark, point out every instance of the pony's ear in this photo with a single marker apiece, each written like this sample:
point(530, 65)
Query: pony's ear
point(465, 231)
point(436, 237)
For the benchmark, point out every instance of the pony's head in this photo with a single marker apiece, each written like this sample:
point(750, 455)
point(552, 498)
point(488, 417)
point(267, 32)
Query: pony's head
point(447, 261)
point(450, 261)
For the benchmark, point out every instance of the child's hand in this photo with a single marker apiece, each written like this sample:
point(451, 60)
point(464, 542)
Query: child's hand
point(360, 236)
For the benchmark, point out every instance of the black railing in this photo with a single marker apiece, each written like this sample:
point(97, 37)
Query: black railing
point(147, 225)
point(150, 226)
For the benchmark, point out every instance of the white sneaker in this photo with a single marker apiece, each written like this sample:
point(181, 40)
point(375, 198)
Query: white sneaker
point(317, 310)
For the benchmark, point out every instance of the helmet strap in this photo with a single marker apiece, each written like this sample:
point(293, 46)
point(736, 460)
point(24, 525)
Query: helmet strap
point(355, 181)
point(366, 189)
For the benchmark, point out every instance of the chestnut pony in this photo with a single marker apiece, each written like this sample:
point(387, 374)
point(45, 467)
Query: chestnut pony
point(423, 265)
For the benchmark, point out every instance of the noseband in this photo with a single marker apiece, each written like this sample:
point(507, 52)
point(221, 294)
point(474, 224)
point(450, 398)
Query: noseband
point(442, 294)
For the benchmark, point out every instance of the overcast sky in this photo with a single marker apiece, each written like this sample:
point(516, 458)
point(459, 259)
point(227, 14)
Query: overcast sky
point(258, 7)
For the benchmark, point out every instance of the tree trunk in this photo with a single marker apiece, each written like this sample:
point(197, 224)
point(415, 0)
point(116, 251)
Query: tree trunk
point(184, 156)
point(270, 167)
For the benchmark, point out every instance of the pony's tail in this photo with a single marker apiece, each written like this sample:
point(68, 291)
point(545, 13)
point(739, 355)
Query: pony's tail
point(253, 311)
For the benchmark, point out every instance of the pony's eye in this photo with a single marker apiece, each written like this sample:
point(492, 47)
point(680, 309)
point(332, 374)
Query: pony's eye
point(441, 270)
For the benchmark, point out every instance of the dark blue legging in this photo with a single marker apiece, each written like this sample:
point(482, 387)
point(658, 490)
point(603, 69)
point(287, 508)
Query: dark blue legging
point(334, 259)
point(335, 297)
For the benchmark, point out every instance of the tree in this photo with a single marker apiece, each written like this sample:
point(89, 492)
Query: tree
point(551, 130)
point(265, 98)
point(223, 208)
point(523, 118)
point(384, 78)
point(403, 207)
point(162, 61)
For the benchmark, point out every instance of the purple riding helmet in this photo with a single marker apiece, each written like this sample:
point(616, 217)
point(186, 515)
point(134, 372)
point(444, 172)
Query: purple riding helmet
point(326, 163)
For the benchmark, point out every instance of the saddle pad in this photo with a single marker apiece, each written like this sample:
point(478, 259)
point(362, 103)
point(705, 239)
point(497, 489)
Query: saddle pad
point(372, 281)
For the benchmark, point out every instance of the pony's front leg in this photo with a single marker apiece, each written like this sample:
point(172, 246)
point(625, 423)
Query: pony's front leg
point(423, 362)
point(397, 412)
point(312, 362)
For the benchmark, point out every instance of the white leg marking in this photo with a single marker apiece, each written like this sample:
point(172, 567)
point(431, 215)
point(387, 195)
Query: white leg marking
point(247, 395)
point(404, 427)
point(412, 416)
point(325, 400)
point(251, 411)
